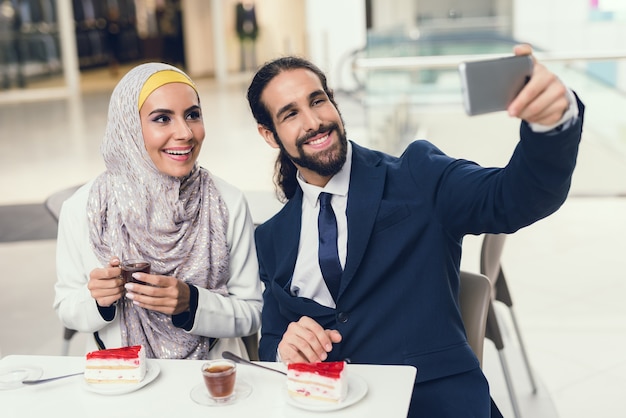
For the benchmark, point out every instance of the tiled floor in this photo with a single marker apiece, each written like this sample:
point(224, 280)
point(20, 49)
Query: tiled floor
point(566, 272)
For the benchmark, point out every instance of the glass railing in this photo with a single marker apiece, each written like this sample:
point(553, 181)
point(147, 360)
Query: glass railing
point(400, 72)
point(379, 77)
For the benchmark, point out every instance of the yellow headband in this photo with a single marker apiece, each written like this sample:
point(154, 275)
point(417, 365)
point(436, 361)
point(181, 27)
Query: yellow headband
point(159, 79)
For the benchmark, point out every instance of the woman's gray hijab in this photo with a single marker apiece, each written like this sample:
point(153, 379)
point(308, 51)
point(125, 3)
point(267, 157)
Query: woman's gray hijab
point(178, 224)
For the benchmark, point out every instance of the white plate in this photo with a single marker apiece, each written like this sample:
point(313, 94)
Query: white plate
point(200, 395)
point(357, 388)
point(12, 377)
point(152, 371)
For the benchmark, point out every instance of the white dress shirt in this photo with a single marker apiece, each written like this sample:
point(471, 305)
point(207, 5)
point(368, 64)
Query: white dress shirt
point(307, 280)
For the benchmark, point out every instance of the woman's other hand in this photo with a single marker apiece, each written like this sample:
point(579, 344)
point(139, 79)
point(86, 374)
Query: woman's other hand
point(106, 284)
point(164, 294)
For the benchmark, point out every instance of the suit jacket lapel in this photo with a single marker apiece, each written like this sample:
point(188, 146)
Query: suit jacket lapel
point(367, 181)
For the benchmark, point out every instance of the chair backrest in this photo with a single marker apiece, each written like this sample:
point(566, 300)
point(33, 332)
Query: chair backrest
point(490, 255)
point(474, 300)
point(252, 346)
point(491, 266)
point(54, 202)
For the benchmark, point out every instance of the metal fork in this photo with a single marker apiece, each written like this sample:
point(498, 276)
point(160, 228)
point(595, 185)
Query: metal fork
point(231, 356)
point(49, 379)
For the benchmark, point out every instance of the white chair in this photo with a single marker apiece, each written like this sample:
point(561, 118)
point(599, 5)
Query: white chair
point(490, 266)
point(252, 346)
point(53, 204)
point(474, 300)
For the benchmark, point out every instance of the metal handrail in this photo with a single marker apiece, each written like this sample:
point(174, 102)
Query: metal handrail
point(452, 61)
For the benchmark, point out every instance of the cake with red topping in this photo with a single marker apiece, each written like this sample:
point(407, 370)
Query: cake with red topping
point(116, 365)
point(323, 382)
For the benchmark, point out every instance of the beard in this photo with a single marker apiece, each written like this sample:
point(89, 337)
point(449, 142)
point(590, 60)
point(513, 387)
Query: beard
point(326, 163)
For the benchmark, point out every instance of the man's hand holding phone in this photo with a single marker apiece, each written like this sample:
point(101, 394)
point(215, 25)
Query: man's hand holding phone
point(544, 99)
point(519, 84)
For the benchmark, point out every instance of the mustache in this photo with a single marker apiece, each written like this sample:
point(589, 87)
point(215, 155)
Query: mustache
point(322, 130)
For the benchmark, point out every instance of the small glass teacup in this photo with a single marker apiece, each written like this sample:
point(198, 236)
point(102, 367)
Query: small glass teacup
point(219, 379)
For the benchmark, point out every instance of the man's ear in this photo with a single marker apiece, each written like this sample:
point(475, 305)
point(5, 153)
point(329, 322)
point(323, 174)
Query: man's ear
point(267, 135)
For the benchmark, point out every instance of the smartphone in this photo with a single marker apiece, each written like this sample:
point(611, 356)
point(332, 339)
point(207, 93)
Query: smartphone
point(491, 85)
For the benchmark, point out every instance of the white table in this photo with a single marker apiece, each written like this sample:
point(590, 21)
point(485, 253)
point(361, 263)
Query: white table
point(388, 395)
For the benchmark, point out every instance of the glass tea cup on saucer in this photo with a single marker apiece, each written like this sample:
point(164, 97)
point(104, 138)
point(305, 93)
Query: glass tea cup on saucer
point(219, 378)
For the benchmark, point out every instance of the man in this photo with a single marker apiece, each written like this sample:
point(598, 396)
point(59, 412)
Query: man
point(400, 224)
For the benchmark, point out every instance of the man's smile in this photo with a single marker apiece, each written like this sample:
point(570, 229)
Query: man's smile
point(319, 140)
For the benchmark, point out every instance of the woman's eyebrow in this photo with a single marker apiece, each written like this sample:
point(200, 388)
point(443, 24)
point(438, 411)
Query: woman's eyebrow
point(167, 111)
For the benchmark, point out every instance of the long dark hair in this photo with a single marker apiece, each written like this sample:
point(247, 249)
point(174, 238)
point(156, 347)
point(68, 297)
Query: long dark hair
point(284, 169)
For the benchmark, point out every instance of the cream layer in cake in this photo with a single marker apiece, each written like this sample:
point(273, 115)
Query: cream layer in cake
point(116, 365)
point(323, 382)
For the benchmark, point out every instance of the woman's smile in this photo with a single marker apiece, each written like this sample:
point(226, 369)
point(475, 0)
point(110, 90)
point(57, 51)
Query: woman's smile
point(179, 153)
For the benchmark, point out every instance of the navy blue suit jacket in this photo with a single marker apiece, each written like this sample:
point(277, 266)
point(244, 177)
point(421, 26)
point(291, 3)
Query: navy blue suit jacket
point(407, 215)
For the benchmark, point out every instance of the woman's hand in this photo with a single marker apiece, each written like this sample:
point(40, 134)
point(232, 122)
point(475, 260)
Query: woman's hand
point(106, 284)
point(164, 294)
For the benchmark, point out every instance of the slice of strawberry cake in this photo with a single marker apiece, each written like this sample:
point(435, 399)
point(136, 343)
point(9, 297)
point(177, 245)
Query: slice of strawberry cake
point(323, 382)
point(116, 365)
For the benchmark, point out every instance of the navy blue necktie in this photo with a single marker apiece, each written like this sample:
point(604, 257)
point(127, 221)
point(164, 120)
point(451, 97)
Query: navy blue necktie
point(328, 252)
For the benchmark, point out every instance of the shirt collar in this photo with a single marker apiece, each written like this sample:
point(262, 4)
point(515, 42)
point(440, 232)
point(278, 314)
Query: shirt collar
point(337, 185)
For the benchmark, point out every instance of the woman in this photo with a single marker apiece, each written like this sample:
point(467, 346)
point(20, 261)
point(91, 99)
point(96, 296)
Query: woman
point(154, 202)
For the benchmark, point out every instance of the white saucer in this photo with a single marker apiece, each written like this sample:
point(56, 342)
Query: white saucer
point(12, 377)
point(152, 371)
point(357, 388)
point(200, 395)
